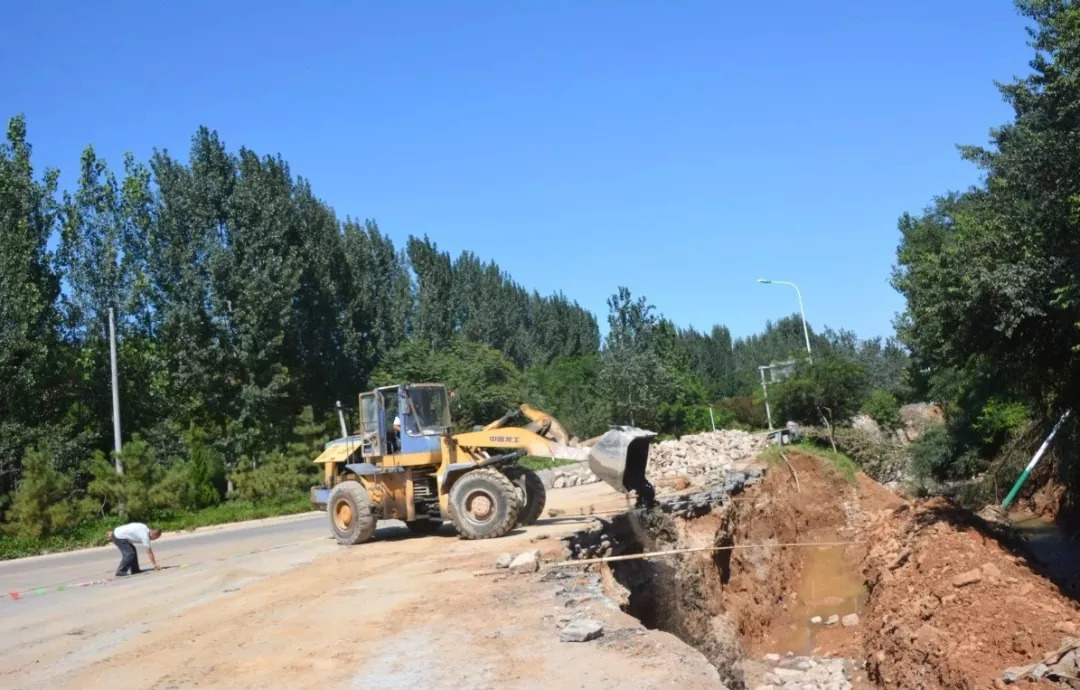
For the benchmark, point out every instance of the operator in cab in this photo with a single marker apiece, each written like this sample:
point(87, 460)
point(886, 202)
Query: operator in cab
point(393, 439)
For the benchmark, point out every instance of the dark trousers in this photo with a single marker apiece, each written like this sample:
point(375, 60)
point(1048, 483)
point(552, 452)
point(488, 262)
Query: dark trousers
point(129, 558)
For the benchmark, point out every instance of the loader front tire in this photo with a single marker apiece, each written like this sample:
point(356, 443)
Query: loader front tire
point(484, 504)
point(531, 490)
point(349, 509)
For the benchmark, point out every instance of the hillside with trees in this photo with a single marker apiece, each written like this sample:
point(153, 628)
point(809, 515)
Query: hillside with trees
point(991, 276)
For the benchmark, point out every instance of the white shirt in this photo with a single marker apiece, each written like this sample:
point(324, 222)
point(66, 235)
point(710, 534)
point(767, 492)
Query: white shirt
point(134, 532)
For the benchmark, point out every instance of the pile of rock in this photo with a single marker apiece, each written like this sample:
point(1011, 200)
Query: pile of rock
point(806, 672)
point(572, 475)
point(703, 458)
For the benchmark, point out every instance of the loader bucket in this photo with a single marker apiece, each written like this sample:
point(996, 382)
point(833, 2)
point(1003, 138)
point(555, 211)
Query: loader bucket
point(619, 458)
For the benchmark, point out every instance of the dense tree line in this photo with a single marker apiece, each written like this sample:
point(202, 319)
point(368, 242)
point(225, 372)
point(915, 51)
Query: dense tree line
point(991, 275)
point(245, 308)
point(240, 299)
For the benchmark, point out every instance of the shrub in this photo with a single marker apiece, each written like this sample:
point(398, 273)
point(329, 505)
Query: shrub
point(884, 408)
point(42, 505)
point(197, 482)
point(884, 462)
point(278, 478)
point(135, 493)
point(931, 454)
point(284, 476)
point(744, 409)
point(1000, 420)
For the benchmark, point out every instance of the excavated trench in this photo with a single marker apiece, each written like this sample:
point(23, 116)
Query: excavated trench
point(745, 606)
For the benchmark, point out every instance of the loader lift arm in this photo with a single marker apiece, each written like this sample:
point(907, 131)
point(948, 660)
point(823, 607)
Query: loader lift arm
point(540, 422)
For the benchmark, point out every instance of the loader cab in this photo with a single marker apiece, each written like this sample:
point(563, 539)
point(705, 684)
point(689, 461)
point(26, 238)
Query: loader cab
point(423, 410)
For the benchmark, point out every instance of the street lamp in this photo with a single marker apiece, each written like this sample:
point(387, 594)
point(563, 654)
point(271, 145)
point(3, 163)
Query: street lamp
point(806, 332)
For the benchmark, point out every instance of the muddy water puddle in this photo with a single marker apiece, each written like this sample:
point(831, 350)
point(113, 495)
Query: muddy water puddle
point(1058, 555)
point(830, 586)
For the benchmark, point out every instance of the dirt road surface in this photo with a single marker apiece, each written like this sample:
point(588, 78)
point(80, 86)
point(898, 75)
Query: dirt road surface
point(281, 605)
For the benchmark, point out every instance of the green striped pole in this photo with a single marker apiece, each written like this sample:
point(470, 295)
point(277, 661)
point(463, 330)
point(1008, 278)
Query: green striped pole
point(1034, 461)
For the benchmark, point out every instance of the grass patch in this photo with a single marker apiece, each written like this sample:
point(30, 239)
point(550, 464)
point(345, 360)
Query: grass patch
point(92, 533)
point(838, 461)
point(534, 463)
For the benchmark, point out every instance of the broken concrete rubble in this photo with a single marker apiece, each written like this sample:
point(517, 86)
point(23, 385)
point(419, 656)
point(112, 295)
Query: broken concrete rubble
point(1062, 664)
point(703, 458)
point(806, 672)
point(527, 562)
point(612, 537)
point(567, 476)
point(581, 630)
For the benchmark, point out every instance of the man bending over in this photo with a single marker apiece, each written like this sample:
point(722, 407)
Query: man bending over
point(125, 537)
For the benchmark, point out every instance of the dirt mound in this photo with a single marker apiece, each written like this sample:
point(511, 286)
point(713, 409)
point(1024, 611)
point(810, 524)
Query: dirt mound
point(948, 605)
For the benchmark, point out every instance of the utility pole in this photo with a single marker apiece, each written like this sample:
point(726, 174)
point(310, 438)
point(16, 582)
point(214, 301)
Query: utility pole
point(117, 446)
point(765, 390)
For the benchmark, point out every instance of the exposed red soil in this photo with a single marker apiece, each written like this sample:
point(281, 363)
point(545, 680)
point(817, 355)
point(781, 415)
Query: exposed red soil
point(949, 606)
point(761, 595)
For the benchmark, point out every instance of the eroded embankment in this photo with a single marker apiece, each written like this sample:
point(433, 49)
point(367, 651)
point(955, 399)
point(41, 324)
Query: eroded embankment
point(950, 606)
point(741, 604)
point(925, 595)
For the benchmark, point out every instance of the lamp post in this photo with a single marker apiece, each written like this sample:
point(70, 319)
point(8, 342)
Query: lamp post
point(802, 312)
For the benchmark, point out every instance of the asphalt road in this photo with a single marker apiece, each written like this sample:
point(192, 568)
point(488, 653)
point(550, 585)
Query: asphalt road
point(53, 570)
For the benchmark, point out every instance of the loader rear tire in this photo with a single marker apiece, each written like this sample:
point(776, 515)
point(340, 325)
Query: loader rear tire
point(484, 504)
point(349, 509)
point(532, 491)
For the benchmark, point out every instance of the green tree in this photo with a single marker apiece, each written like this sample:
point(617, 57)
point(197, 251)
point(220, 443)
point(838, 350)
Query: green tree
point(992, 274)
point(884, 409)
point(486, 384)
point(434, 279)
point(831, 389)
point(197, 481)
point(567, 388)
point(138, 489)
point(633, 376)
point(42, 502)
point(285, 475)
point(31, 358)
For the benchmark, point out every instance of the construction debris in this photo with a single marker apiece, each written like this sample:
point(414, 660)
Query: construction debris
point(527, 562)
point(1062, 664)
point(576, 475)
point(808, 672)
point(703, 458)
point(581, 630)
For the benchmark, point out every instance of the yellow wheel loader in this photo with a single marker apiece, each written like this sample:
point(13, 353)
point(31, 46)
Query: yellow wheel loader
point(416, 470)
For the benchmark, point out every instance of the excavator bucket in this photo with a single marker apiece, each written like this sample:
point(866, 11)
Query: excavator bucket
point(619, 458)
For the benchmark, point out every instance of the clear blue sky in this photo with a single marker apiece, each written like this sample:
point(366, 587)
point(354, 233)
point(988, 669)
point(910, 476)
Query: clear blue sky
point(680, 148)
